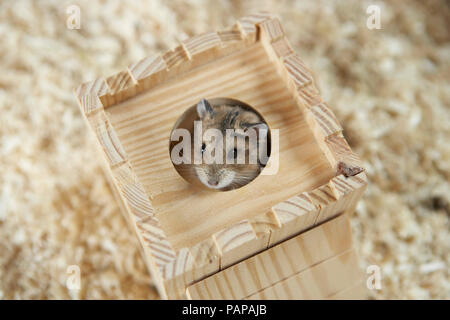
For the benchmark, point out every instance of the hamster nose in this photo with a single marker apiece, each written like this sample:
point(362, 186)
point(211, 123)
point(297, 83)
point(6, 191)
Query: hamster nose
point(213, 182)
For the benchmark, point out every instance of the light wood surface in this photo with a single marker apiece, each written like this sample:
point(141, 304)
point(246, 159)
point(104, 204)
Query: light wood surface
point(248, 25)
point(88, 95)
point(343, 160)
point(356, 292)
point(294, 215)
point(121, 86)
point(348, 190)
point(323, 121)
point(277, 263)
point(271, 30)
point(317, 282)
point(308, 96)
point(234, 242)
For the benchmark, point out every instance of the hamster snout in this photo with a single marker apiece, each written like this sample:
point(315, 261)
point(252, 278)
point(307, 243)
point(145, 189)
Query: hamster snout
point(225, 164)
point(214, 177)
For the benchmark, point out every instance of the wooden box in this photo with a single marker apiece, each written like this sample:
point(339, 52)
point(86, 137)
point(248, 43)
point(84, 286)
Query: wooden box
point(188, 234)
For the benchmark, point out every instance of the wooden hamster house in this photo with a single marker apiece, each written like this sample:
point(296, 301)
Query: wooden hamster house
point(282, 236)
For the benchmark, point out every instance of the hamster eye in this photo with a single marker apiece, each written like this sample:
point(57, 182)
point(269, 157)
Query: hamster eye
point(235, 153)
point(203, 147)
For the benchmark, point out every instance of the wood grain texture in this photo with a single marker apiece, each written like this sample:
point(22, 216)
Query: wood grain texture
point(206, 258)
point(227, 36)
point(327, 202)
point(143, 213)
point(235, 243)
point(177, 274)
point(264, 226)
point(292, 70)
point(323, 121)
point(231, 40)
point(248, 25)
point(88, 95)
point(192, 264)
point(340, 154)
point(308, 96)
point(348, 190)
point(277, 263)
point(131, 222)
point(119, 82)
point(148, 72)
point(177, 62)
point(271, 30)
point(140, 215)
point(354, 292)
point(95, 87)
point(175, 57)
point(121, 86)
point(169, 268)
point(318, 282)
point(297, 74)
point(203, 47)
point(282, 48)
point(293, 215)
point(107, 137)
point(343, 185)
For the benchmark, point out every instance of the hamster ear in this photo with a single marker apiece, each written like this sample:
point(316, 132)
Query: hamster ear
point(261, 129)
point(204, 109)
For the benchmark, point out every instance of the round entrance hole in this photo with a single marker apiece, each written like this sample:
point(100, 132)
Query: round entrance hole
point(220, 144)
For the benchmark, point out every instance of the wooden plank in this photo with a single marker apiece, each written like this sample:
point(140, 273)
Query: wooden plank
point(248, 25)
point(121, 86)
point(107, 137)
point(277, 263)
point(271, 30)
point(264, 225)
point(175, 56)
point(204, 47)
point(323, 121)
point(340, 155)
point(282, 48)
point(299, 76)
point(141, 209)
point(232, 41)
point(355, 292)
point(236, 243)
point(119, 82)
point(348, 190)
point(308, 96)
point(177, 62)
point(229, 36)
point(317, 282)
point(189, 265)
point(148, 72)
point(324, 199)
point(294, 215)
point(178, 273)
point(206, 257)
point(156, 248)
point(88, 95)
point(340, 195)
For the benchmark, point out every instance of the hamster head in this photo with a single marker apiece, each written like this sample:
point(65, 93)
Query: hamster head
point(235, 169)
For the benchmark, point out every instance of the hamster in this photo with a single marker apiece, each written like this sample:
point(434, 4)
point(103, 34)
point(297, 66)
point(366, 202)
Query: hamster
point(222, 114)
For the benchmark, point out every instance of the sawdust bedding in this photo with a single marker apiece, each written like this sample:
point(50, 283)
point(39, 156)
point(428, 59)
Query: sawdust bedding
point(388, 87)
